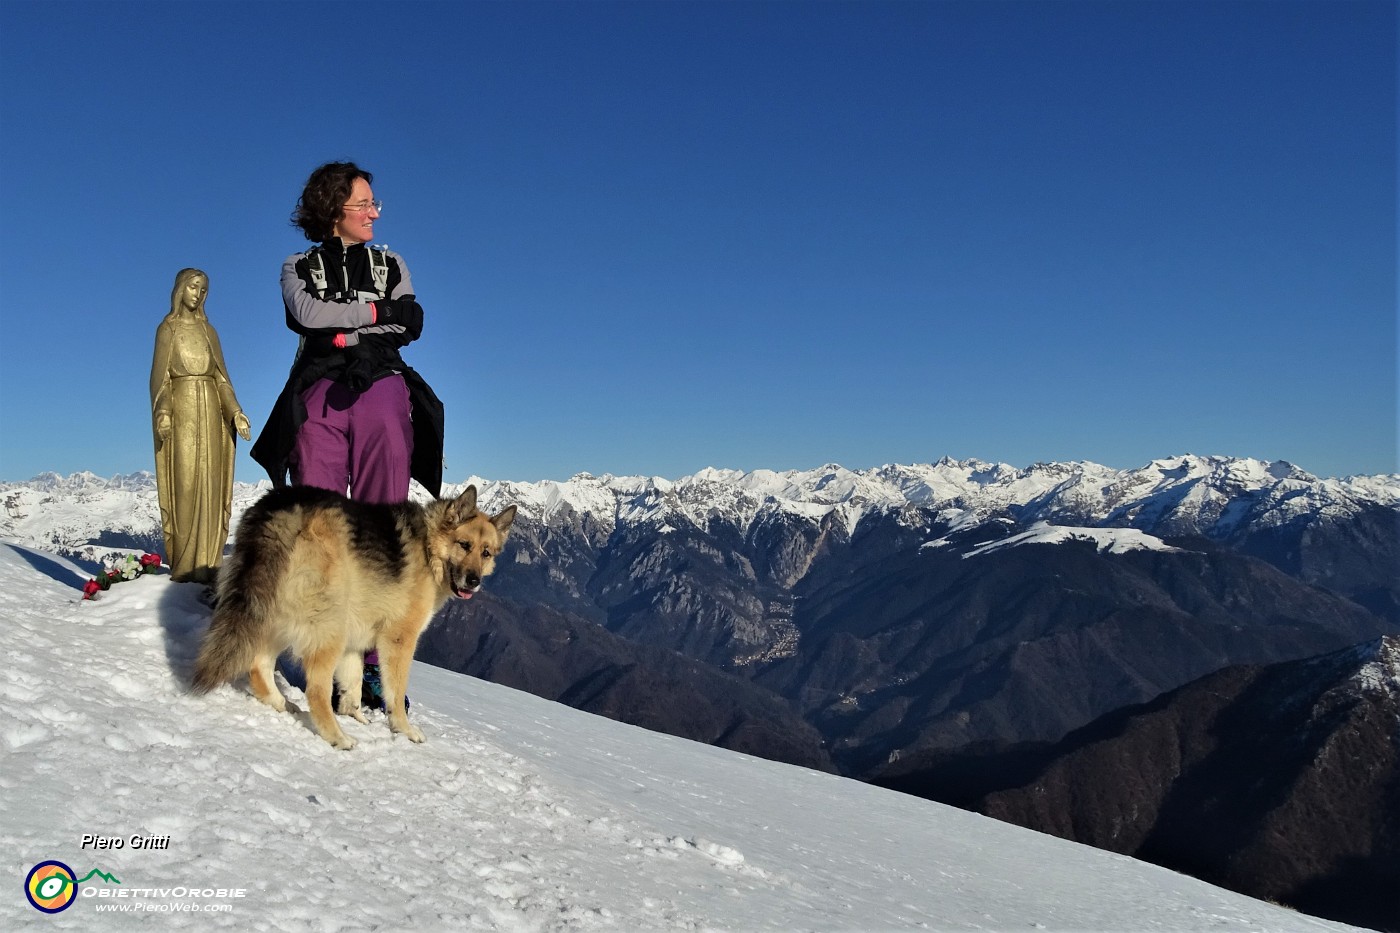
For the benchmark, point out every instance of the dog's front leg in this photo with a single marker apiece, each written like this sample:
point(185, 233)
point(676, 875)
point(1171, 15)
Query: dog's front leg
point(396, 649)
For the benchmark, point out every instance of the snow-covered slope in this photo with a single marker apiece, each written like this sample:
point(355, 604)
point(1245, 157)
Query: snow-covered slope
point(1109, 540)
point(518, 814)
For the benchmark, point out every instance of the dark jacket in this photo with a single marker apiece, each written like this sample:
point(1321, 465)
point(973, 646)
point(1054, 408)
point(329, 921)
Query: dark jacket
point(371, 352)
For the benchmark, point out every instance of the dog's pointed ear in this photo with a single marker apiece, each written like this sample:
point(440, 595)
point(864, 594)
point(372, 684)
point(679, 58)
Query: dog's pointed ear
point(504, 519)
point(463, 507)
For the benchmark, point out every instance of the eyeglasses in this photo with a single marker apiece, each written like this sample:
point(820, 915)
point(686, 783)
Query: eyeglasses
point(361, 207)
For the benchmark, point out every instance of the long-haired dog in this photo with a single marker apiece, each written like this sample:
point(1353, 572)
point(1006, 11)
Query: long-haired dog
point(330, 578)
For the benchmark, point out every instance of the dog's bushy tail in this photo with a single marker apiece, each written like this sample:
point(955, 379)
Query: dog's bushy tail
point(247, 585)
point(227, 651)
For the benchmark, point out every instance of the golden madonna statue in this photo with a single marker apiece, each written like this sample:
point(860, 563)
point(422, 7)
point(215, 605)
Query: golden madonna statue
point(194, 414)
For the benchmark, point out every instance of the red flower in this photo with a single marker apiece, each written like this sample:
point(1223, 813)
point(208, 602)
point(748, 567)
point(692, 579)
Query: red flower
point(90, 589)
point(149, 562)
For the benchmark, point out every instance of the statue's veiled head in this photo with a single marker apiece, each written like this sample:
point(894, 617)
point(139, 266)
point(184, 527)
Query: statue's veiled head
point(191, 287)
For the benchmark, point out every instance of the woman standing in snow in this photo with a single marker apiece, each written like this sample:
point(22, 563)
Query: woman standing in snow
point(353, 417)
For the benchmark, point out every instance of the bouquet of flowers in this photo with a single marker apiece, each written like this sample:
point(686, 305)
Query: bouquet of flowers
point(126, 568)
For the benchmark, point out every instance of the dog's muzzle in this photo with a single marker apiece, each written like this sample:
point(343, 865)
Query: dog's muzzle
point(466, 586)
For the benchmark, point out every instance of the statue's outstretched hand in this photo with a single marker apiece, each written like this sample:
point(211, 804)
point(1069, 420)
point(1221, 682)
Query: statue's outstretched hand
point(245, 430)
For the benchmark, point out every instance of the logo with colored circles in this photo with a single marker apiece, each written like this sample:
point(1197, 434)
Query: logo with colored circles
point(52, 886)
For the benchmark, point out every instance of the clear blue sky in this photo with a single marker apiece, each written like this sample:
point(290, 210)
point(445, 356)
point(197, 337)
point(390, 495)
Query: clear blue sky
point(655, 237)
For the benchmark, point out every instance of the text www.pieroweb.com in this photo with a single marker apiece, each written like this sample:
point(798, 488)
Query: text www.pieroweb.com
point(164, 908)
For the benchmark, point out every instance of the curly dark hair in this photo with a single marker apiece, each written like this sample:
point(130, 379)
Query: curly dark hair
point(321, 202)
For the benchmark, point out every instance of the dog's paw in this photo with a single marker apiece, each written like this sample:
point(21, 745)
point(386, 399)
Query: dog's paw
point(342, 742)
point(275, 699)
point(348, 707)
point(410, 732)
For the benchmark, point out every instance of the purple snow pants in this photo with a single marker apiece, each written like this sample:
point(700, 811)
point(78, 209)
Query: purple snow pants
point(362, 442)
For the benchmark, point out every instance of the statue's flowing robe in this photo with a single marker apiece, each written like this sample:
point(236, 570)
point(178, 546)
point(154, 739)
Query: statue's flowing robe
point(194, 465)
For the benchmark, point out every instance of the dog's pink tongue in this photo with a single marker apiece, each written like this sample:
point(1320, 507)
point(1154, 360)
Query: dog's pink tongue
point(464, 595)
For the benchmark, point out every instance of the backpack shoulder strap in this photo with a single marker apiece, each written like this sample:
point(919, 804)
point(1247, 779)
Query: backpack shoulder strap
point(316, 265)
point(379, 268)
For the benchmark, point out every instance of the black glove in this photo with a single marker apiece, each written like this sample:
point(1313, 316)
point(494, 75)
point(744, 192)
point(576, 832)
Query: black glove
point(358, 374)
point(405, 312)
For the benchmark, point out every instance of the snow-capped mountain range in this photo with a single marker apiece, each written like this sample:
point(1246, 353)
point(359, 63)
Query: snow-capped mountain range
point(1210, 496)
point(1207, 495)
